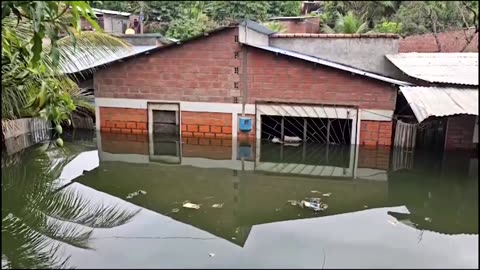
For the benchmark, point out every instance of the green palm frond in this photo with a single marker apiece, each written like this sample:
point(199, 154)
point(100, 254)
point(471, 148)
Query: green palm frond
point(37, 220)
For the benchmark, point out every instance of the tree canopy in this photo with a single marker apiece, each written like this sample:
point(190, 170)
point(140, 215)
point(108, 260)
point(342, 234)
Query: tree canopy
point(401, 17)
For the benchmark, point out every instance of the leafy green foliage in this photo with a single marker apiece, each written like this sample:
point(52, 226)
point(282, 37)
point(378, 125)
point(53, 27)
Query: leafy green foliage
point(388, 27)
point(48, 20)
point(275, 26)
point(32, 80)
point(419, 17)
point(193, 22)
point(347, 24)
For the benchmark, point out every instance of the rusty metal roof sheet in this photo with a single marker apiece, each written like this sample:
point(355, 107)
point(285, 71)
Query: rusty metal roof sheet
point(451, 68)
point(331, 64)
point(440, 101)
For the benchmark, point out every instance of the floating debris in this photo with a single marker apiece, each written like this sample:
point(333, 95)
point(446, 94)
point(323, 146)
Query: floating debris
point(209, 197)
point(233, 238)
point(365, 206)
point(217, 205)
point(314, 191)
point(211, 254)
point(327, 194)
point(191, 205)
point(136, 193)
point(315, 206)
point(9, 216)
point(277, 209)
point(428, 219)
point(175, 210)
point(293, 202)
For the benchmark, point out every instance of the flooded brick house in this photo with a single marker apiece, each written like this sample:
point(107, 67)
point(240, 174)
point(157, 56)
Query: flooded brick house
point(211, 86)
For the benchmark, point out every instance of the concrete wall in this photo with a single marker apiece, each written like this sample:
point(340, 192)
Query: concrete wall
point(249, 36)
point(22, 133)
point(114, 24)
point(144, 39)
point(363, 53)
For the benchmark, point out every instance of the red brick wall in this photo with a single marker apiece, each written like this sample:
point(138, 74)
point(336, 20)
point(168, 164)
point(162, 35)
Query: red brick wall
point(375, 133)
point(452, 41)
point(460, 132)
point(281, 77)
point(374, 157)
point(311, 25)
point(220, 149)
point(200, 70)
point(121, 120)
point(125, 143)
point(208, 125)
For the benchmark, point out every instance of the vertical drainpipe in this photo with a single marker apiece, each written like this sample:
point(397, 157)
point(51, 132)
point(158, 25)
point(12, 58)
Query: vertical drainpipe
point(244, 73)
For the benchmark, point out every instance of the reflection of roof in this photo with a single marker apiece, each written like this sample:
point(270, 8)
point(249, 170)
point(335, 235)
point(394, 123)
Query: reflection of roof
point(436, 101)
point(253, 201)
point(452, 68)
point(111, 12)
point(84, 62)
point(330, 64)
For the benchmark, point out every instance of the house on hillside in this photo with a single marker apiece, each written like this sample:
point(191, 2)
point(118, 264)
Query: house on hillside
point(235, 82)
point(444, 104)
point(111, 21)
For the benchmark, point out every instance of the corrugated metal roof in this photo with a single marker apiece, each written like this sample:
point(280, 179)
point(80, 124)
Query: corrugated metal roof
point(111, 12)
point(85, 62)
point(452, 68)
point(331, 64)
point(440, 101)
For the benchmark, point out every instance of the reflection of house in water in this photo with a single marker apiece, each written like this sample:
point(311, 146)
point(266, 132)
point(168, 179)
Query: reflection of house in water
point(214, 172)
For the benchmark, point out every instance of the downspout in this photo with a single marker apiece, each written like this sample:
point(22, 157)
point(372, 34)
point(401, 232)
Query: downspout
point(244, 73)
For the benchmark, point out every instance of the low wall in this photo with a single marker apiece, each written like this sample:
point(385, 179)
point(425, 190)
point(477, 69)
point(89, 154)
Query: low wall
point(22, 133)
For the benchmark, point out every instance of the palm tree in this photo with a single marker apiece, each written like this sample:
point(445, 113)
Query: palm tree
point(21, 81)
point(348, 24)
point(38, 219)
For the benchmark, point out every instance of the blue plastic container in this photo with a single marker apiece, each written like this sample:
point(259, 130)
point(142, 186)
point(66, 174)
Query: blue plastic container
point(245, 124)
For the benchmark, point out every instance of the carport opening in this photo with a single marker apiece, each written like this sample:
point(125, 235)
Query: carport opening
point(319, 130)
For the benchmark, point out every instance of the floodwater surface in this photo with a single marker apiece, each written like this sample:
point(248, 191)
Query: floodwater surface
point(118, 201)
